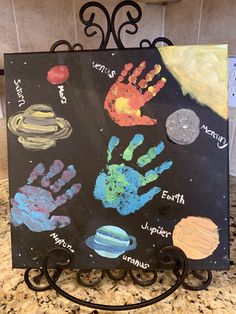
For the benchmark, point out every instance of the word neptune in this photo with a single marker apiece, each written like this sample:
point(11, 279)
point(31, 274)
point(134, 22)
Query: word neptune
point(62, 242)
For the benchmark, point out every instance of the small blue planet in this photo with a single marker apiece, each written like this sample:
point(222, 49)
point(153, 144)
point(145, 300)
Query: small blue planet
point(111, 242)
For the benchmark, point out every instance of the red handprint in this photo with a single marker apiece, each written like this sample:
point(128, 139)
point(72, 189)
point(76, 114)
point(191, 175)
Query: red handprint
point(124, 100)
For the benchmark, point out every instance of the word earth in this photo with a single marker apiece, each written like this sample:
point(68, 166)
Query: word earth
point(159, 230)
point(178, 198)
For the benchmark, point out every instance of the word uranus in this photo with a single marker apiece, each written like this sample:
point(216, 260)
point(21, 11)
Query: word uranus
point(135, 262)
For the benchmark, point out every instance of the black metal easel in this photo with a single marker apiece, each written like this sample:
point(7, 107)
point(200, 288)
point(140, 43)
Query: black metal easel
point(170, 257)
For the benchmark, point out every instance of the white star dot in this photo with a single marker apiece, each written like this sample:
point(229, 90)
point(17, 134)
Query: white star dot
point(25, 62)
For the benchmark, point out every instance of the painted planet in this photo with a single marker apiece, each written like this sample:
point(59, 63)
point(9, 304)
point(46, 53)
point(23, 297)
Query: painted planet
point(111, 242)
point(183, 126)
point(58, 74)
point(198, 237)
point(38, 127)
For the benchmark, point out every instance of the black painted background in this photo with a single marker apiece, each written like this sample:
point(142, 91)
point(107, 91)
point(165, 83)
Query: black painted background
point(86, 90)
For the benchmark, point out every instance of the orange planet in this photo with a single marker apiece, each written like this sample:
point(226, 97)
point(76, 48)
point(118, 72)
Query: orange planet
point(198, 237)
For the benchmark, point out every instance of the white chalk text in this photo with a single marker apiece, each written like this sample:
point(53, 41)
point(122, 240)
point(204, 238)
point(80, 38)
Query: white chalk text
point(159, 230)
point(61, 242)
point(178, 198)
point(135, 262)
point(221, 141)
point(19, 92)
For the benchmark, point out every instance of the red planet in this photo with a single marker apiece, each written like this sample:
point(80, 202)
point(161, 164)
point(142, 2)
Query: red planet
point(58, 74)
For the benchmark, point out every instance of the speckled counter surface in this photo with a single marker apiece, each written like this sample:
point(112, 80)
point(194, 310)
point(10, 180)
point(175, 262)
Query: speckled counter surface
point(16, 297)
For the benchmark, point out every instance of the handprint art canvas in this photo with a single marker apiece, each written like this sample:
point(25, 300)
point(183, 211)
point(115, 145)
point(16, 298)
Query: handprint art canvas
point(116, 154)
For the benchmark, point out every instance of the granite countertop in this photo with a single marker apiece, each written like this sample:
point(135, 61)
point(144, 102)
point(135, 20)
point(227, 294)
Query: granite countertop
point(16, 297)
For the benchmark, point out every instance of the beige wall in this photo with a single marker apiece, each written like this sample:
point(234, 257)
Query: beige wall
point(33, 25)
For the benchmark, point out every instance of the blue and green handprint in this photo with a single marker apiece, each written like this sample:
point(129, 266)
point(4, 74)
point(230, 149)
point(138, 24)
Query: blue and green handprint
point(117, 186)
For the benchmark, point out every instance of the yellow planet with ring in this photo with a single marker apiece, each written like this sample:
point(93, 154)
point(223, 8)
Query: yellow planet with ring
point(198, 237)
point(38, 127)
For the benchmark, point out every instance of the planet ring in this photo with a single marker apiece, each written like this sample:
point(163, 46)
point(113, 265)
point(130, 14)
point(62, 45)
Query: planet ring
point(64, 128)
point(110, 248)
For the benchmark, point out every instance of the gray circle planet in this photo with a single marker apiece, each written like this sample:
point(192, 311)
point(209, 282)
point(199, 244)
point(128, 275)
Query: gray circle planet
point(183, 126)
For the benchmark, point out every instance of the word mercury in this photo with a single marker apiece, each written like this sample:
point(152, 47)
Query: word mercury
point(222, 142)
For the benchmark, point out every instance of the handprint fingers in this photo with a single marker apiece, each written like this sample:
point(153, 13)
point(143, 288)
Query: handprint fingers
point(114, 141)
point(136, 141)
point(137, 72)
point(38, 171)
point(146, 197)
point(153, 90)
point(118, 185)
point(68, 195)
point(152, 153)
point(124, 99)
point(59, 222)
point(152, 175)
point(124, 72)
point(66, 177)
point(149, 76)
point(54, 169)
point(32, 205)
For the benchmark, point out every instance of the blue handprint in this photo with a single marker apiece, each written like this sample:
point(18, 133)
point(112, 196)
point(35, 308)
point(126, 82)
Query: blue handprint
point(33, 205)
point(117, 186)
